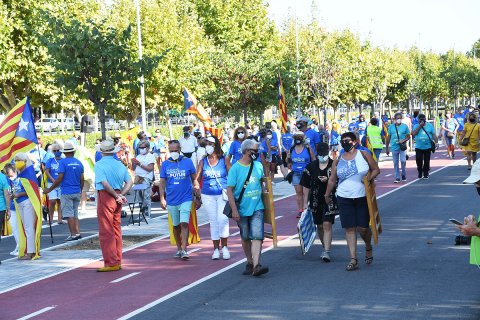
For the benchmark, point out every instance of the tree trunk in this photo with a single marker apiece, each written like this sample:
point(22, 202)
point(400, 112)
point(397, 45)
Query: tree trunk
point(101, 111)
point(244, 108)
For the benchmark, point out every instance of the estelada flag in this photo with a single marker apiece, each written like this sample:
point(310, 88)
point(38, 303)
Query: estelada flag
point(193, 235)
point(191, 105)
point(28, 179)
point(282, 105)
point(17, 132)
point(217, 132)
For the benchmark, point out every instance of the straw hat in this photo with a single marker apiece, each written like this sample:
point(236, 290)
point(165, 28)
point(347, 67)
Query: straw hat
point(107, 146)
point(69, 147)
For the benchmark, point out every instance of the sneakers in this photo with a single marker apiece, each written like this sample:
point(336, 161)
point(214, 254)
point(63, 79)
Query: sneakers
point(248, 269)
point(396, 181)
point(178, 254)
point(70, 238)
point(216, 254)
point(184, 255)
point(14, 253)
point(420, 176)
point(109, 269)
point(259, 270)
point(299, 214)
point(425, 177)
point(77, 237)
point(225, 253)
point(325, 256)
point(404, 178)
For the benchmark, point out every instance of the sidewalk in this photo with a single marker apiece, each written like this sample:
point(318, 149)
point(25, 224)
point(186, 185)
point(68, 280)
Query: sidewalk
point(56, 259)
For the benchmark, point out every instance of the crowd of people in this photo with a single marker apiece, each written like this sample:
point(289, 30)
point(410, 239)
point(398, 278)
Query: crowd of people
point(326, 164)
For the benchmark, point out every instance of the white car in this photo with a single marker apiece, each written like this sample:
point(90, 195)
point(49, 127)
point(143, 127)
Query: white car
point(47, 124)
point(68, 124)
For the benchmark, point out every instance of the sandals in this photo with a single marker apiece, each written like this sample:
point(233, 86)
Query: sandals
point(368, 260)
point(352, 266)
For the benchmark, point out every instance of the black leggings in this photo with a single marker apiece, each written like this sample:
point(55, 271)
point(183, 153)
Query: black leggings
point(423, 161)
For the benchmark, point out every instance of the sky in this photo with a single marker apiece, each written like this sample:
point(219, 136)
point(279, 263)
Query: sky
point(438, 26)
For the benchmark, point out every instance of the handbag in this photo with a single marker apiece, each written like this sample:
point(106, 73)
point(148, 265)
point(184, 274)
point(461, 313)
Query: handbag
point(227, 210)
point(224, 192)
point(403, 145)
point(466, 141)
point(432, 144)
point(6, 228)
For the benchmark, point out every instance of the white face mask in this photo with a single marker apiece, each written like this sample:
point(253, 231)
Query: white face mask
point(269, 136)
point(241, 135)
point(399, 121)
point(175, 155)
point(143, 151)
point(323, 159)
point(209, 149)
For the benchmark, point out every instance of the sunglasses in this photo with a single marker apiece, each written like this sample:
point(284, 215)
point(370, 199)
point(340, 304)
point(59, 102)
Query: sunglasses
point(346, 140)
point(173, 141)
point(239, 132)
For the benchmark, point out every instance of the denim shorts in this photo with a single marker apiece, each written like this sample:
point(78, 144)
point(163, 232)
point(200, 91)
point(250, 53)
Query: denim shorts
point(353, 212)
point(297, 176)
point(180, 213)
point(251, 227)
point(55, 194)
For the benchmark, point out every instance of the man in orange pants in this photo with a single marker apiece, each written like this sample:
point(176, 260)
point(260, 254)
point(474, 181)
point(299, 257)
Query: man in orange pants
point(112, 182)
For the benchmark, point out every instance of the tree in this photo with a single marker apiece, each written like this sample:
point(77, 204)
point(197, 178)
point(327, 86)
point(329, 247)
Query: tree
point(94, 57)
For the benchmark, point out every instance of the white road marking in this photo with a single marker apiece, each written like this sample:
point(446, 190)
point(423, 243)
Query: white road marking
point(36, 313)
point(276, 218)
point(388, 175)
point(194, 250)
point(125, 277)
point(235, 234)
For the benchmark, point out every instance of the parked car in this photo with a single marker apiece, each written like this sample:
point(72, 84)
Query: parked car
point(47, 124)
point(68, 124)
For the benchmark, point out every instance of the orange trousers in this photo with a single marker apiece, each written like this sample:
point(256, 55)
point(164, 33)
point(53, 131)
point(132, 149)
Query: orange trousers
point(109, 228)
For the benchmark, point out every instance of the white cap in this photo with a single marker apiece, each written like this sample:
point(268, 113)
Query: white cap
point(474, 174)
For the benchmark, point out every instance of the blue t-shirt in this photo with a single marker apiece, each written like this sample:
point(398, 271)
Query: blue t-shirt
point(252, 197)
point(422, 140)
point(11, 184)
point(334, 138)
point(110, 170)
point(235, 151)
point(158, 145)
point(287, 141)
point(47, 157)
point(460, 119)
point(38, 155)
point(352, 127)
point(213, 186)
point(53, 164)
point(362, 126)
point(178, 180)
point(72, 170)
point(394, 138)
point(3, 186)
point(98, 156)
point(300, 160)
point(29, 174)
point(273, 143)
point(314, 138)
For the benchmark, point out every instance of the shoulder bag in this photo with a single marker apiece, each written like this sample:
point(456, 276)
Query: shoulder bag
point(403, 146)
point(432, 144)
point(228, 209)
point(466, 141)
point(224, 191)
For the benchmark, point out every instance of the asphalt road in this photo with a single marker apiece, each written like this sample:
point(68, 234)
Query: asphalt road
point(417, 272)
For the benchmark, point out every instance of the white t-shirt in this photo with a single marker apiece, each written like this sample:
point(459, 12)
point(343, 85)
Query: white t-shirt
point(144, 160)
point(188, 145)
point(350, 176)
point(201, 153)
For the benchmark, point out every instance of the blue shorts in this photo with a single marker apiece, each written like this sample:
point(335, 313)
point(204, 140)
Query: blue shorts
point(180, 213)
point(297, 176)
point(251, 227)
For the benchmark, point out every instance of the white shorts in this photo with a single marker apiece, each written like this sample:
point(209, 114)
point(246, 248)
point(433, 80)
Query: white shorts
point(55, 194)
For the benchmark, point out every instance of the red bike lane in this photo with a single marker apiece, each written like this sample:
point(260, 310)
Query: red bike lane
point(149, 272)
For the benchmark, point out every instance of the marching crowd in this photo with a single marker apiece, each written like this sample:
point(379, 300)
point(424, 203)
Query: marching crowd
point(325, 164)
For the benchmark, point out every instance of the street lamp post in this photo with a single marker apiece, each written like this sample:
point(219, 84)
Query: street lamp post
point(140, 57)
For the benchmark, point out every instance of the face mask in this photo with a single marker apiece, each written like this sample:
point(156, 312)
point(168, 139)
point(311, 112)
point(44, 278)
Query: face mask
point(323, 159)
point(269, 136)
point(57, 154)
point(175, 156)
point(241, 135)
point(347, 146)
point(254, 156)
point(299, 126)
point(398, 121)
point(20, 165)
point(448, 115)
point(143, 151)
point(298, 142)
point(209, 149)
point(186, 135)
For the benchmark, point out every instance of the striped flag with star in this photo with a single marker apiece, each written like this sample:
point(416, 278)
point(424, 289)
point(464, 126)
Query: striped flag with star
point(191, 105)
point(17, 132)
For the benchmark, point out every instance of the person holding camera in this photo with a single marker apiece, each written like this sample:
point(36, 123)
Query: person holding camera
point(301, 154)
point(425, 140)
point(471, 225)
point(398, 135)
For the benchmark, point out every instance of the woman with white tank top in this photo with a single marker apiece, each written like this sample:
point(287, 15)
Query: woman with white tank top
point(349, 170)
